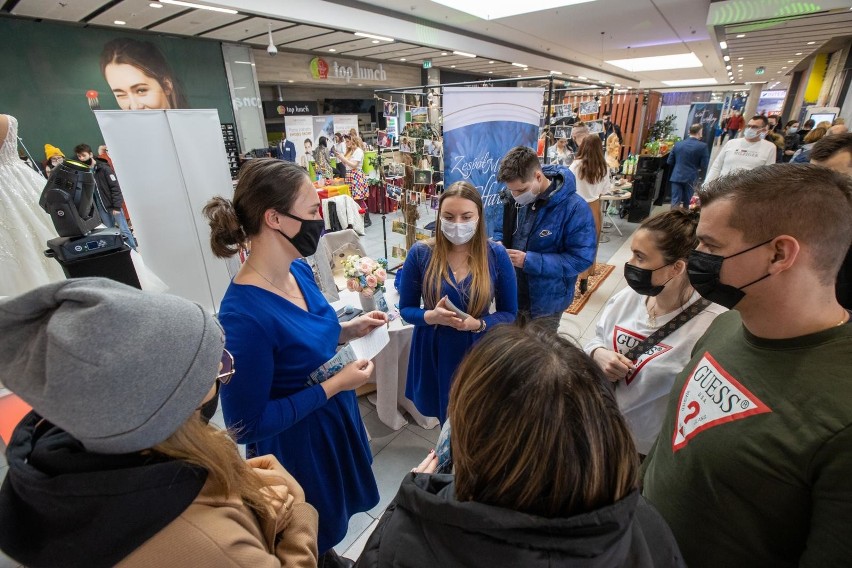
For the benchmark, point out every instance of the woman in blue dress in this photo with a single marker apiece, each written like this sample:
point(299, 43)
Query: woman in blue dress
point(460, 266)
point(280, 328)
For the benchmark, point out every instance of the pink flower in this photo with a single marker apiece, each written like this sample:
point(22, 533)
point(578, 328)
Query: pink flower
point(364, 266)
point(368, 292)
point(350, 285)
point(381, 274)
point(356, 286)
point(372, 281)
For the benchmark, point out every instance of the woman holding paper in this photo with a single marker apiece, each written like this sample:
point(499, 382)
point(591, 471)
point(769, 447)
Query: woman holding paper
point(280, 329)
point(456, 275)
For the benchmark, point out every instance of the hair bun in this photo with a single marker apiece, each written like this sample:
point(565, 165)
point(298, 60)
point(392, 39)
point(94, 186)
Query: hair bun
point(226, 232)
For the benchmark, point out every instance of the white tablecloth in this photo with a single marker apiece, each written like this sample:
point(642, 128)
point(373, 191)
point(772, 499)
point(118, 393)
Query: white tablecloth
point(391, 367)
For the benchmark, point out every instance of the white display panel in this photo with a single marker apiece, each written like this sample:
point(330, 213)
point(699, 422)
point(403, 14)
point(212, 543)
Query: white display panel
point(169, 163)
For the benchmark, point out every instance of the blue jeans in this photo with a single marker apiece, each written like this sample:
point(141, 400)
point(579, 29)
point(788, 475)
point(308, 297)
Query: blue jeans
point(681, 194)
point(118, 220)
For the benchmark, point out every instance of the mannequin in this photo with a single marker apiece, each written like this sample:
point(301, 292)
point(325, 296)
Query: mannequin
point(24, 227)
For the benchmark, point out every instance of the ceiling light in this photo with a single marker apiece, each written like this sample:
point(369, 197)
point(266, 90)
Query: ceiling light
point(519, 65)
point(331, 49)
point(739, 64)
point(727, 57)
point(452, 66)
point(199, 6)
point(490, 62)
point(616, 84)
point(119, 22)
point(155, 5)
point(494, 10)
point(289, 80)
point(799, 53)
point(658, 63)
point(463, 54)
point(784, 67)
point(375, 41)
point(374, 36)
point(723, 44)
point(740, 58)
point(491, 71)
point(402, 58)
point(811, 42)
point(728, 67)
point(443, 53)
point(740, 36)
point(581, 77)
point(696, 82)
point(790, 61)
point(556, 72)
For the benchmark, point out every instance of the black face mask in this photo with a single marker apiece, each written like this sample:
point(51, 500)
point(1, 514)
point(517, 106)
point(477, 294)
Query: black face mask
point(209, 408)
point(640, 280)
point(307, 239)
point(703, 269)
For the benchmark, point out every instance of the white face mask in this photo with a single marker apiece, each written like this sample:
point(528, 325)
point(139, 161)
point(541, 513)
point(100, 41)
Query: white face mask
point(459, 233)
point(525, 198)
point(751, 133)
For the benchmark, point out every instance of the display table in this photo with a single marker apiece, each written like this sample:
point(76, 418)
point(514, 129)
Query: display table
point(333, 191)
point(615, 193)
point(391, 367)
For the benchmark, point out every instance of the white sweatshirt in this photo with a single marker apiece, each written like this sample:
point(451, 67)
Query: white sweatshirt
point(589, 191)
point(643, 396)
point(740, 154)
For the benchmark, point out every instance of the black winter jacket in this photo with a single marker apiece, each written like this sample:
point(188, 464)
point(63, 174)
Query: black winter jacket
point(425, 526)
point(108, 187)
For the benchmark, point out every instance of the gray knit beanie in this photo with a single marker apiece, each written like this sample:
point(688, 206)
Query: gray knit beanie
point(117, 368)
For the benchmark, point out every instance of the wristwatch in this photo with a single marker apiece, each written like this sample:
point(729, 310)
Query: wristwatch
point(481, 327)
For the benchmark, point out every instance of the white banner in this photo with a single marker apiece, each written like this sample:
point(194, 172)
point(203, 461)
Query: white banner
point(345, 122)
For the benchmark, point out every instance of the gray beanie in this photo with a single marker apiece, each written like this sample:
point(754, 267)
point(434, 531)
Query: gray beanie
point(117, 368)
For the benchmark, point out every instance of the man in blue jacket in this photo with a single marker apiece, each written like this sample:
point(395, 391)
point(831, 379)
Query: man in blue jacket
point(548, 231)
point(688, 159)
point(284, 150)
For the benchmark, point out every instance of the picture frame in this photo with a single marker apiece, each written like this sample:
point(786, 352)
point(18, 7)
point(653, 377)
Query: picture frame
point(399, 252)
point(390, 108)
point(422, 177)
point(420, 115)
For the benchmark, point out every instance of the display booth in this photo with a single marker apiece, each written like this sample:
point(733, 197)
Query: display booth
point(170, 163)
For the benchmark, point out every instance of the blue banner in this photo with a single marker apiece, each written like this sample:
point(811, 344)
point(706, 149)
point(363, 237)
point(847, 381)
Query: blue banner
point(480, 127)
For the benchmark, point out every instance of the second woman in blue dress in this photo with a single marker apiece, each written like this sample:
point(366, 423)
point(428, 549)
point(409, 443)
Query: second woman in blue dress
point(462, 268)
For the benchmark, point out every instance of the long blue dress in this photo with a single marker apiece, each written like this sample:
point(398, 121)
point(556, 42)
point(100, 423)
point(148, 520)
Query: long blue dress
point(276, 345)
point(436, 350)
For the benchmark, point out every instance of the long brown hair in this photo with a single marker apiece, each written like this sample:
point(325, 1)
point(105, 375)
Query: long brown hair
point(148, 58)
point(593, 166)
point(213, 449)
point(437, 272)
point(536, 429)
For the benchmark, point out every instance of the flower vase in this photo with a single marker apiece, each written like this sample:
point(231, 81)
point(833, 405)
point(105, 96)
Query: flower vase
point(368, 303)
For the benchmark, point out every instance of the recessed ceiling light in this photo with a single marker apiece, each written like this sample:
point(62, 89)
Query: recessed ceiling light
point(739, 64)
point(491, 71)
point(331, 49)
point(811, 42)
point(199, 6)
point(402, 58)
point(490, 62)
point(581, 77)
point(658, 63)
point(494, 10)
point(463, 54)
point(519, 64)
point(784, 67)
point(119, 22)
point(452, 66)
point(155, 5)
point(360, 84)
point(375, 41)
point(740, 36)
point(374, 36)
point(556, 72)
point(685, 82)
point(790, 61)
point(799, 53)
point(728, 67)
point(723, 44)
point(289, 80)
point(727, 57)
point(443, 53)
point(740, 58)
point(616, 84)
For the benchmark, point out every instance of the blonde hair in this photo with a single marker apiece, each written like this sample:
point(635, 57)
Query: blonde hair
point(437, 271)
point(213, 449)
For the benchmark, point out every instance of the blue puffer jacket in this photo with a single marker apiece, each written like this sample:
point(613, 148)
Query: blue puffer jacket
point(561, 245)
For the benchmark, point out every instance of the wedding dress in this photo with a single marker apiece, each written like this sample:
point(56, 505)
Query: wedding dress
point(25, 228)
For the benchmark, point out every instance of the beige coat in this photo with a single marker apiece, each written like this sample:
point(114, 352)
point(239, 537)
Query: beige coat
point(216, 532)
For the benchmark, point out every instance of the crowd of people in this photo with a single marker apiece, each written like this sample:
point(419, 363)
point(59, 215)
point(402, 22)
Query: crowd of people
point(708, 423)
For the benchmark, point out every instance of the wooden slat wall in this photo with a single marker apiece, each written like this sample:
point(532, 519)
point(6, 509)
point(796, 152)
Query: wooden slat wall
point(626, 109)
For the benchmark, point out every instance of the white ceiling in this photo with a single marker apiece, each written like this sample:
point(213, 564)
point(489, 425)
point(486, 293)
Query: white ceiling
point(576, 40)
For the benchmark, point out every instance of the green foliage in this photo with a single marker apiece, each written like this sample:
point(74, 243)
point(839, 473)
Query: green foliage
point(662, 129)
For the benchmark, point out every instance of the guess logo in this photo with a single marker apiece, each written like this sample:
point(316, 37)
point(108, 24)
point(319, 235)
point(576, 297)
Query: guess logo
point(623, 340)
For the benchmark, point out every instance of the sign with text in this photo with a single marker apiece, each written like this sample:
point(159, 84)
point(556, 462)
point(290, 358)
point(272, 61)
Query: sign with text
point(277, 109)
point(480, 127)
point(322, 69)
point(708, 116)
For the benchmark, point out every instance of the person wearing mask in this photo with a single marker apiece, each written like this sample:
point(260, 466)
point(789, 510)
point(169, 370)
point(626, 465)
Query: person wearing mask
point(805, 130)
point(803, 154)
point(591, 176)
point(611, 128)
point(117, 464)
point(688, 159)
point(560, 154)
point(791, 139)
point(746, 153)
point(284, 150)
point(545, 471)
point(353, 159)
point(109, 192)
point(634, 345)
point(460, 266)
point(53, 157)
point(772, 123)
point(548, 231)
point(835, 152)
point(272, 310)
point(755, 450)
point(734, 125)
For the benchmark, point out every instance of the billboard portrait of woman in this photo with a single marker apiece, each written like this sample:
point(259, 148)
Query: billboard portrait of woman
point(140, 77)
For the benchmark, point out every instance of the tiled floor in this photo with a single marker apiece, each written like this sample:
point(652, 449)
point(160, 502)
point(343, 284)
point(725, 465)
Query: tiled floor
point(396, 452)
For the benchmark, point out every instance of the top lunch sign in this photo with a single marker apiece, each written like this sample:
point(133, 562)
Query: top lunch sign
point(320, 69)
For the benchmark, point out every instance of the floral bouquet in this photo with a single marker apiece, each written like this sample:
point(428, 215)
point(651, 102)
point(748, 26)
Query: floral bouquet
point(364, 274)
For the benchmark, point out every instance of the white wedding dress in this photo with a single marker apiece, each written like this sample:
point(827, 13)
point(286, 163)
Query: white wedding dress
point(25, 228)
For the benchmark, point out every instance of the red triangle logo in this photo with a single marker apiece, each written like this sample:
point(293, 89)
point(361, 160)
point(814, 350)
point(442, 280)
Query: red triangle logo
point(623, 340)
point(710, 397)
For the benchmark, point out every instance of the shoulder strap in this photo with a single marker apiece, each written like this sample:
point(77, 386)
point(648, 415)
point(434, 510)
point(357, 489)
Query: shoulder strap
point(668, 328)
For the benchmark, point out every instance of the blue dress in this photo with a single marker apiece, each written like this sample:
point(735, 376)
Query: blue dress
point(436, 350)
point(322, 442)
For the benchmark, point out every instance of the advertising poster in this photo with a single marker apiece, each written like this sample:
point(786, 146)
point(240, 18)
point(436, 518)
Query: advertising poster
point(708, 115)
point(61, 73)
point(480, 126)
point(343, 123)
point(300, 131)
point(323, 126)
